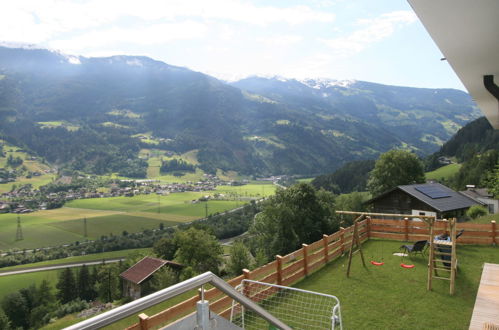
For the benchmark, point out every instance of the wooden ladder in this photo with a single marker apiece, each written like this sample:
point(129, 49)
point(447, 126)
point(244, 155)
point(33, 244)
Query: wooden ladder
point(438, 260)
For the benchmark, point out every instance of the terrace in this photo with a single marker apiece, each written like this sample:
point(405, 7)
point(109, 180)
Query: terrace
point(387, 296)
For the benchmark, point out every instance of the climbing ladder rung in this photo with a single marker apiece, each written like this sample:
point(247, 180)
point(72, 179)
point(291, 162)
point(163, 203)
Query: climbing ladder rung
point(444, 269)
point(441, 260)
point(442, 253)
point(442, 278)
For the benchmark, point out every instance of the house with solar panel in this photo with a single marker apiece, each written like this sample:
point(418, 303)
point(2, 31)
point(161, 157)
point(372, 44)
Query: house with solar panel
point(433, 199)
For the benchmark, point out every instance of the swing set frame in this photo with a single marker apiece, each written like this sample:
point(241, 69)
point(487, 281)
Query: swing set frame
point(429, 220)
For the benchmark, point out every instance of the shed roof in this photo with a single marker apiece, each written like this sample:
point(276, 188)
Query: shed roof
point(143, 269)
point(452, 200)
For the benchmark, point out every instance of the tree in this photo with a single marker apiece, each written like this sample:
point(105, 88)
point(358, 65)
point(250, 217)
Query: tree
point(107, 284)
point(393, 168)
point(163, 278)
point(16, 309)
point(84, 285)
point(66, 286)
point(240, 258)
point(198, 249)
point(291, 217)
point(491, 181)
point(4, 320)
point(165, 248)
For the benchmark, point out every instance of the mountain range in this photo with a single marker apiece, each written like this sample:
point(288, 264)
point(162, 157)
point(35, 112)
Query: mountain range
point(91, 114)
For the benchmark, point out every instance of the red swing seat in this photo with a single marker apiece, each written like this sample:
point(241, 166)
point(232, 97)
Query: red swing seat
point(406, 266)
point(375, 263)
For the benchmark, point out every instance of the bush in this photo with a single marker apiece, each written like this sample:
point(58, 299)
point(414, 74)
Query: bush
point(71, 307)
point(476, 211)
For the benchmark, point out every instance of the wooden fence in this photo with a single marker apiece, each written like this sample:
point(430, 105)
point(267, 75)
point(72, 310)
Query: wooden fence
point(288, 269)
point(409, 230)
point(284, 270)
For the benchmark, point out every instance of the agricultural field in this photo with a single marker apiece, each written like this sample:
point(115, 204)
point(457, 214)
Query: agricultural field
point(88, 257)
point(444, 172)
point(154, 157)
point(9, 284)
point(31, 165)
point(113, 215)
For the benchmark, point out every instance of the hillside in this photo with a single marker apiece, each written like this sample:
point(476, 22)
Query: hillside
point(95, 115)
point(476, 148)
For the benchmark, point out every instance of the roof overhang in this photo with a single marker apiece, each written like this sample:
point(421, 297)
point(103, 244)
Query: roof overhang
point(467, 33)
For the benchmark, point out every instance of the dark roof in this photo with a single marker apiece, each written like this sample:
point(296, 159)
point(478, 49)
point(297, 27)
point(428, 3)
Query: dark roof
point(143, 269)
point(477, 193)
point(452, 201)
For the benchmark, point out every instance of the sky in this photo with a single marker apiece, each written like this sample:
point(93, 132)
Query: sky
point(373, 40)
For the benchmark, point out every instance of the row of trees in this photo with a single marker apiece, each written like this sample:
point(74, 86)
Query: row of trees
point(174, 165)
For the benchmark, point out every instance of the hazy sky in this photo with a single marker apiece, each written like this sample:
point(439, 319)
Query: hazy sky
point(374, 40)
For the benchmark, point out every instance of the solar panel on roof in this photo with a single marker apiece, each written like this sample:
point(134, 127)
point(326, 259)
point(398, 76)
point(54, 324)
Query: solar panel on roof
point(433, 191)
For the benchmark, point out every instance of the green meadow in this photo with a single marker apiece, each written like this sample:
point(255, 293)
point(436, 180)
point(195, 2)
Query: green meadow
point(113, 215)
point(88, 257)
point(31, 165)
point(9, 284)
point(443, 172)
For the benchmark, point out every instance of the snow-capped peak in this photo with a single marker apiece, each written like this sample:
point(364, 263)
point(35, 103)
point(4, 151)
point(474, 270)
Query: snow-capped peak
point(320, 83)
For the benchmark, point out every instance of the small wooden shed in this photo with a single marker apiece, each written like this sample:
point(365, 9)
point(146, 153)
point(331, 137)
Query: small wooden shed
point(141, 272)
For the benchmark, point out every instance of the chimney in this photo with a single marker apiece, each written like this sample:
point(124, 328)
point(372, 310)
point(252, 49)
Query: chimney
point(470, 187)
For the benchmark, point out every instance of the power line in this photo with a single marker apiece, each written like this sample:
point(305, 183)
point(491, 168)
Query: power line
point(19, 233)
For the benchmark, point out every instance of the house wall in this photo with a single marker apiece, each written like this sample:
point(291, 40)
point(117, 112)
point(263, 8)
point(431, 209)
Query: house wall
point(402, 203)
point(131, 289)
point(492, 204)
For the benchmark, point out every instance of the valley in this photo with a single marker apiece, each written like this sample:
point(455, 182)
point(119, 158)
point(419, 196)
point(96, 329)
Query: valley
point(115, 215)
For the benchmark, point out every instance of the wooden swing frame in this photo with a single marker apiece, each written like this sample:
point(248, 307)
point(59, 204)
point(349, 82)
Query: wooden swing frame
point(430, 221)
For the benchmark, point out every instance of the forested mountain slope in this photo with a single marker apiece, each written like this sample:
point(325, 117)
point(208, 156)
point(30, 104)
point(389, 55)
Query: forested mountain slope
point(86, 114)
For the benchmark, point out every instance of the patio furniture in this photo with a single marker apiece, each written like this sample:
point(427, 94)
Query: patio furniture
point(419, 246)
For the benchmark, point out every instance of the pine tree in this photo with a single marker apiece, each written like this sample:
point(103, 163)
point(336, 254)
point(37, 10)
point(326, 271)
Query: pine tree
point(66, 286)
point(84, 285)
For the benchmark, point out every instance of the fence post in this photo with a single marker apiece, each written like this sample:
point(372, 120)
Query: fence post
point(143, 321)
point(305, 258)
point(406, 229)
point(368, 223)
point(494, 233)
point(279, 269)
point(342, 239)
point(246, 274)
point(326, 248)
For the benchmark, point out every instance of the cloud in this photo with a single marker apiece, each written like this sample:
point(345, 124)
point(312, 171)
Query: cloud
point(372, 31)
point(280, 40)
point(146, 35)
point(39, 21)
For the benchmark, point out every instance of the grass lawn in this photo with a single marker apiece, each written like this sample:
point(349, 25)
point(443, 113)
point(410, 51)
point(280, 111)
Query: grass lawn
point(392, 297)
point(443, 172)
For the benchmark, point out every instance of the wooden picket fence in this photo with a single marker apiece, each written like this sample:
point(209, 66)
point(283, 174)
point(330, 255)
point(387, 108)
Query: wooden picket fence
point(289, 269)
